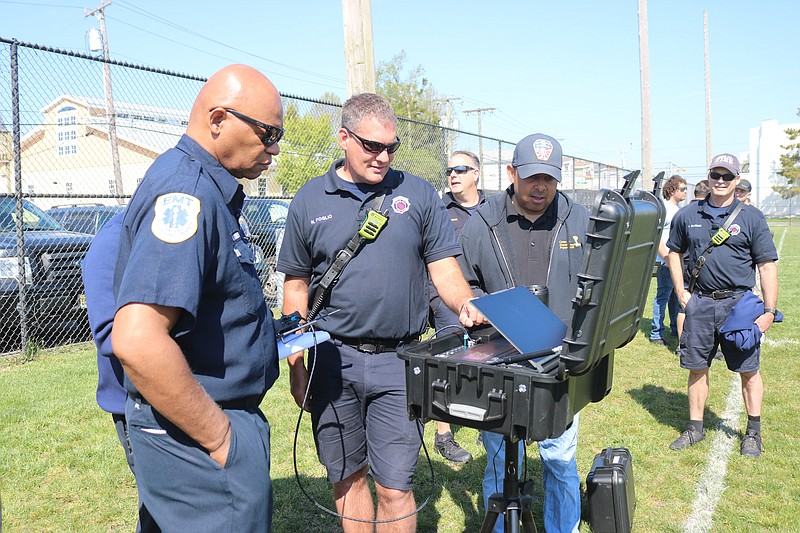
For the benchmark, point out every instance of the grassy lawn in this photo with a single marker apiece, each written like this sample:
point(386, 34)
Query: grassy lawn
point(62, 469)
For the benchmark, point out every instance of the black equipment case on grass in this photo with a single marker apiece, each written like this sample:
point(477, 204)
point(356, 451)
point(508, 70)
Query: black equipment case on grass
point(610, 491)
point(537, 401)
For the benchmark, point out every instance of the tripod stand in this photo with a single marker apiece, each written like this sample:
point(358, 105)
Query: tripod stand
point(514, 503)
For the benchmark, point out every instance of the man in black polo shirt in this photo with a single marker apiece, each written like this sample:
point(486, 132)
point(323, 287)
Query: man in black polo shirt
point(532, 234)
point(357, 393)
point(728, 272)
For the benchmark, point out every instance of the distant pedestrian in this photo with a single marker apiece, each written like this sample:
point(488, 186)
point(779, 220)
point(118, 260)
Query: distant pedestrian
point(743, 191)
point(674, 192)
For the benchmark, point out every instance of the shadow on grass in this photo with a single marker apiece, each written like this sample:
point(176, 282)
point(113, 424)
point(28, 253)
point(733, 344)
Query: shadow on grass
point(671, 408)
point(293, 513)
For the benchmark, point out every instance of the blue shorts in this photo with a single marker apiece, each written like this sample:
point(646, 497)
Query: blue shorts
point(360, 415)
point(701, 337)
point(185, 490)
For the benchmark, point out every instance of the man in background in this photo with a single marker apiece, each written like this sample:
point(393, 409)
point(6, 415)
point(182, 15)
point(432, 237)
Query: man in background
point(98, 286)
point(464, 197)
point(674, 192)
point(743, 191)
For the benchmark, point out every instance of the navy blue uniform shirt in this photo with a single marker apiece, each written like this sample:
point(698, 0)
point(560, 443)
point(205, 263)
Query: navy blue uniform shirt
point(182, 246)
point(731, 265)
point(98, 285)
point(458, 213)
point(383, 291)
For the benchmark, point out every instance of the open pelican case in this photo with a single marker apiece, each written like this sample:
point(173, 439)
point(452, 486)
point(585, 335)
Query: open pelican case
point(537, 399)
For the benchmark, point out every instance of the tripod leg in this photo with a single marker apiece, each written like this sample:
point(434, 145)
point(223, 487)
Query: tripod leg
point(489, 521)
point(528, 525)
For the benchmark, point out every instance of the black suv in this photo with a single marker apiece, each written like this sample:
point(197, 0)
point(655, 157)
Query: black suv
point(84, 218)
point(267, 220)
point(47, 278)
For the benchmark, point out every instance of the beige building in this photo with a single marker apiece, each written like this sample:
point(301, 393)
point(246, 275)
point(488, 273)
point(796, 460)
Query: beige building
point(66, 156)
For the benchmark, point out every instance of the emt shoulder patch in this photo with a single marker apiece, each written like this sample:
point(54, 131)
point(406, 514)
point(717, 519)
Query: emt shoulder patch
point(175, 217)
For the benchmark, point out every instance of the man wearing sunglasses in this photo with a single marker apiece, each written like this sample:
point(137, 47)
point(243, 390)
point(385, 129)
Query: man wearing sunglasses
point(728, 272)
point(191, 328)
point(674, 192)
point(357, 390)
point(463, 198)
point(532, 234)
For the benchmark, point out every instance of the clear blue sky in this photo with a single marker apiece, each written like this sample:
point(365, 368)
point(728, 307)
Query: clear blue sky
point(568, 68)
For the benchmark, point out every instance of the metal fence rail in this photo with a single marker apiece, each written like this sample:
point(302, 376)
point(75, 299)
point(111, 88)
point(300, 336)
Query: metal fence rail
point(77, 135)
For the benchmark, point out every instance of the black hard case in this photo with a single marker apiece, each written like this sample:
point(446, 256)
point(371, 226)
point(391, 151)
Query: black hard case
point(537, 403)
point(610, 491)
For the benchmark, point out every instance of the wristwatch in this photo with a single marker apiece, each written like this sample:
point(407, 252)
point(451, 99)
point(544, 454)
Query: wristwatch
point(771, 310)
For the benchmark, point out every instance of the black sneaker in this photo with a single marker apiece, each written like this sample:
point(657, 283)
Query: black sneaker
point(689, 437)
point(447, 446)
point(659, 341)
point(751, 444)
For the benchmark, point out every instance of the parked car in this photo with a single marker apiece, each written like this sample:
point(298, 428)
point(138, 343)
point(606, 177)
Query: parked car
point(267, 220)
point(84, 218)
point(43, 271)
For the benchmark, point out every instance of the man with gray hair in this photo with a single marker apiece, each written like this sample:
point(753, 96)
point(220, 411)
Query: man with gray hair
point(462, 174)
point(357, 395)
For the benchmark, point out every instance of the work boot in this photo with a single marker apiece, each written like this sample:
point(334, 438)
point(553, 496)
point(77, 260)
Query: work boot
point(751, 444)
point(447, 446)
point(689, 437)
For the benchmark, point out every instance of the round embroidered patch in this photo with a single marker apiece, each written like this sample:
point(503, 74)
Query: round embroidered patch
point(400, 204)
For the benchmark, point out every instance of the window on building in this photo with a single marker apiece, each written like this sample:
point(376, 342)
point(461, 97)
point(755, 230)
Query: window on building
point(67, 131)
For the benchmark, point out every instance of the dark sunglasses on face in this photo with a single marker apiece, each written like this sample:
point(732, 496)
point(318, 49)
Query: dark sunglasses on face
point(683, 189)
point(724, 177)
point(460, 169)
point(374, 147)
point(271, 135)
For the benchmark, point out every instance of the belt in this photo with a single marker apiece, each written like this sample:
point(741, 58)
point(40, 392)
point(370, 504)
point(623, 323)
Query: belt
point(720, 295)
point(248, 402)
point(373, 345)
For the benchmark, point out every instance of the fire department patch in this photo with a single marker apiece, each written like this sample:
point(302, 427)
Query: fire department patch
point(542, 148)
point(735, 229)
point(400, 204)
point(175, 217)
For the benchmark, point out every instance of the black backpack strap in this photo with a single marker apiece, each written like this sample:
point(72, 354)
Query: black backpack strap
point(368, 231)
point(719, 238)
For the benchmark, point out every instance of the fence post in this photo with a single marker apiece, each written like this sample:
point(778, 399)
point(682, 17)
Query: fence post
point(22, 304)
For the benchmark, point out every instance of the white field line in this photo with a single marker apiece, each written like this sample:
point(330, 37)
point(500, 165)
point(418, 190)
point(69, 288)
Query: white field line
point(712, 482)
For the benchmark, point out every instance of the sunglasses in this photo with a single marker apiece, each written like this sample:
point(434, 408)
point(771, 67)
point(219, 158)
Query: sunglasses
point(271, 135)
point(460, 169)
point(374, 147)
point(683, 189)
point(724, 177)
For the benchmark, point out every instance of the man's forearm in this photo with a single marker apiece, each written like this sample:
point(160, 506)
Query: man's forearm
point(295, 298)
point(769, 283)
point(450, 283)
point(157, 367)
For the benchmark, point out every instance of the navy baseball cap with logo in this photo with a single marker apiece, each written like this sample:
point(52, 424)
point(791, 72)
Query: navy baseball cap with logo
point(538, 154)
point(726, 161)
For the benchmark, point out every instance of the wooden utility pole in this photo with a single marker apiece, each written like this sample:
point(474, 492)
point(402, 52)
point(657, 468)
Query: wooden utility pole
point(479, 111)
point(358, 53)
point(644, 69)
point(708, 90)
point(110, 113)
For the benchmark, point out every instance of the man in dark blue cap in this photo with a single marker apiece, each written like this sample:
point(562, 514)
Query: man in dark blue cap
point(532, 234)
point(721, 283)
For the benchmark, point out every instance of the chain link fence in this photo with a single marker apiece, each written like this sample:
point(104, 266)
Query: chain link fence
point(77, 135)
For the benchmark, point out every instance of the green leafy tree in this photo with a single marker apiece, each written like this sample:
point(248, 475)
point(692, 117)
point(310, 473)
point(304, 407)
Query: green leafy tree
point(790, 165)
point(419, 109)
point(309, 146)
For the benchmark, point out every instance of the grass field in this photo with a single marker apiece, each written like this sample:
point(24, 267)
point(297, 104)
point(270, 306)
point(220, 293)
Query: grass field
point(62, 470)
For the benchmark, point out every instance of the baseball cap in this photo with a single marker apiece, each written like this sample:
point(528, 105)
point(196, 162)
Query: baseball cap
point(538, 154)
point(726, 161)
point(744, 185)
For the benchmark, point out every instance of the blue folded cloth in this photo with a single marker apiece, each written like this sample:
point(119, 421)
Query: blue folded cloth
point(739, 329)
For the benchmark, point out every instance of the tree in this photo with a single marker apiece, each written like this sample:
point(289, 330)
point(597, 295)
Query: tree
point(309, 146)
point(790, 165)
point(415, 101)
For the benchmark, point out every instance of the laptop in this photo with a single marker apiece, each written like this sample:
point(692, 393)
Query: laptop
point(524, 320)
